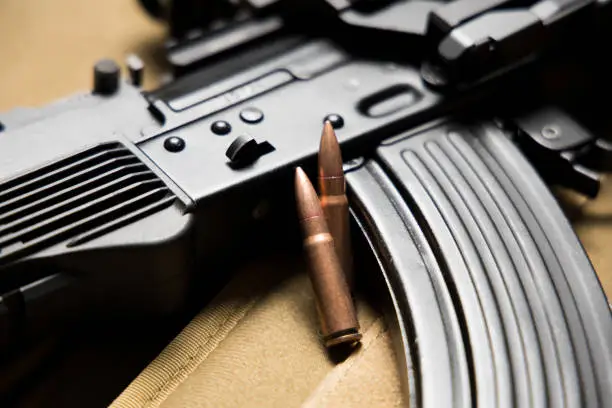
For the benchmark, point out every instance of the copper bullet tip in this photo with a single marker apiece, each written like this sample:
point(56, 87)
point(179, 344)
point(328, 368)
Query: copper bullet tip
point(330, 157)
point(309, 205)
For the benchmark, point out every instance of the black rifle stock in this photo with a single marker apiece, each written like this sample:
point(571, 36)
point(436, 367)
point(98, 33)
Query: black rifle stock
point(453, 117)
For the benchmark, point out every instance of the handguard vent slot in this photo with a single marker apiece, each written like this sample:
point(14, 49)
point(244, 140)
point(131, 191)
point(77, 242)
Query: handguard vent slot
point(77, 198)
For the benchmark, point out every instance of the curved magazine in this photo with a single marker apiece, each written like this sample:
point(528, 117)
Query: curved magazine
point(463, 227)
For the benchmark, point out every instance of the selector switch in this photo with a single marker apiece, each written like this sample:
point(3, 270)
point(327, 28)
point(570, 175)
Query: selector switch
point(245, 150)
point(242, 150)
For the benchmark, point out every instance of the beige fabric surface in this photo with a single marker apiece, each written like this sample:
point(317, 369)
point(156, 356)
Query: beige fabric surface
point(256, 345)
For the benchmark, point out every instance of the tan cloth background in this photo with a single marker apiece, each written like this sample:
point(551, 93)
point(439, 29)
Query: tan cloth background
point(256, 344)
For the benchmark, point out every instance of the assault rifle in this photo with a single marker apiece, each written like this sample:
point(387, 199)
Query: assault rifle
point(454, 119)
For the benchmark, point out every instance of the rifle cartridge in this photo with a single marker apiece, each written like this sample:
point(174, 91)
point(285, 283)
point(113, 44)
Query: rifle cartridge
point(334, 302)
point(332, 188)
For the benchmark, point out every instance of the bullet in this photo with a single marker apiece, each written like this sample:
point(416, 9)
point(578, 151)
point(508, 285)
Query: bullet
point(332, 189)
point(334, 302)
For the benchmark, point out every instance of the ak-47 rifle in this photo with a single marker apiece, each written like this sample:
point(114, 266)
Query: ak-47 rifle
point(454, 118)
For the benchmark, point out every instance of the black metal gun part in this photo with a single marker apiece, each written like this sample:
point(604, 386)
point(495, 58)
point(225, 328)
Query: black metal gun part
point(117, 200)
point(486, 271)
point(462, 41)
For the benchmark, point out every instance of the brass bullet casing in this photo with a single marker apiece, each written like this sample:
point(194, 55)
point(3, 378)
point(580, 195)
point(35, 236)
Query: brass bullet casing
point(332, 189)
point(334, 302)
